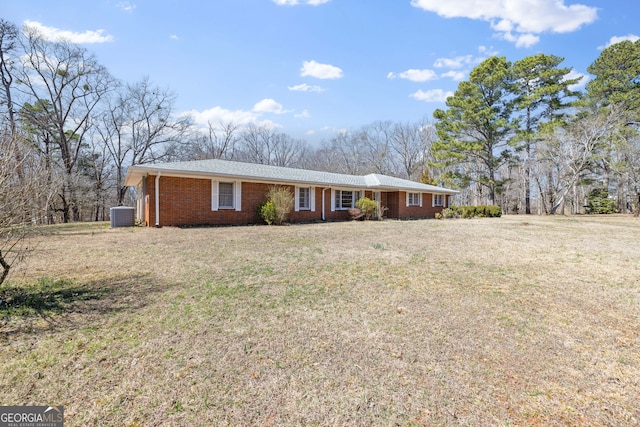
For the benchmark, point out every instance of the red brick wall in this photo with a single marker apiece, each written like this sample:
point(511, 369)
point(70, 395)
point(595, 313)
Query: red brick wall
point(392, 204)
point(187, 201)
point(398, 206)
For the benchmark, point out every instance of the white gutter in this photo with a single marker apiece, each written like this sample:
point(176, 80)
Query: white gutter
point(323, 190)
point(158, 199)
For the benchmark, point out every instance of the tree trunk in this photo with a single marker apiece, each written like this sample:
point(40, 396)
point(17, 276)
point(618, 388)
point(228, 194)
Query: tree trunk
point(122, 192)
point(527, 182)
point(5, 268)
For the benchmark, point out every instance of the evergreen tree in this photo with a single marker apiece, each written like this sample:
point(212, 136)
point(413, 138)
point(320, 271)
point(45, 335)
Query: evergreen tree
point(616, 87)
point(475, 130)
point(543, 94)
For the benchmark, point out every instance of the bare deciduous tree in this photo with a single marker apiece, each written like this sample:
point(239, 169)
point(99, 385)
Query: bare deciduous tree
point(411, 147)
point(570, 153)
point(21, 196)
point(68, 83)
point(9, 36)
point(345, 153)
point(139, 127)
point(373, 144)
point(287, 151)
point(218, 142)
point(256, 144)
point(262, 144)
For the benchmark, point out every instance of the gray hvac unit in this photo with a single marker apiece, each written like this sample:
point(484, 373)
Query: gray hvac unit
point(122, 216)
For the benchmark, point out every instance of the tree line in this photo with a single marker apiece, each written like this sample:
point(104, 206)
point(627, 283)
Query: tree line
point(518, 135)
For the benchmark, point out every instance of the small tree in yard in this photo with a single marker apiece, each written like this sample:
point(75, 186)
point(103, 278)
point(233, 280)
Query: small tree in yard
point(278, 206)
point(599, 202)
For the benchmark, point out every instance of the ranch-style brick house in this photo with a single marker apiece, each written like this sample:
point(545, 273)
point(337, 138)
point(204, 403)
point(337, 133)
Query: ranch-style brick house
point(222, 192)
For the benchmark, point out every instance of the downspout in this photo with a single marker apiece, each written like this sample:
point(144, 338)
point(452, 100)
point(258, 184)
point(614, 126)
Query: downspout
point(323, 190)
point(158, 199)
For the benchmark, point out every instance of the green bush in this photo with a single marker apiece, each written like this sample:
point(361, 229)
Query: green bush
point(267, 212)
point(451, 212)
point(278, 206)
point(468, 211)
point(481, 211)
point(598, 202)
point(368, 207)
point(494, 211)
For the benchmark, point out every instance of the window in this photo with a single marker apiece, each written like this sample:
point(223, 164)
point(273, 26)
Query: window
point(345, 199)
point(414, 199)
point(225, 195)
point(304, 199)
point(438, 200)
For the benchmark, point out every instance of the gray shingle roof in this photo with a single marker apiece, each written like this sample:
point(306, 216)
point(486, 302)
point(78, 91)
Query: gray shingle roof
point(278, 174)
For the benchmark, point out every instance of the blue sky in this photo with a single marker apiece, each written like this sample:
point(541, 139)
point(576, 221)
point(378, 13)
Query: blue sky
point(316, 67)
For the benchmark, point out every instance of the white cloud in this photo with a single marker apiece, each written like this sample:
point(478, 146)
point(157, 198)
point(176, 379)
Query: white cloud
point(617, 39)
point(174, 37)
point(126, 6)
point(455, 75)
point(296, 2)
point(218, 114)
point(520, 40)
point(222, 115)
point(269, 105)
point(487, 51)
point(524, 18)
point(414, 75)
point(503, 25)
point(306, 88)
point(455, 62)
point(320, 71)
point(573, 74)
point(527, 40)
point(434, 95)
point(459, 66)
point(55, 34)
point(304, 115)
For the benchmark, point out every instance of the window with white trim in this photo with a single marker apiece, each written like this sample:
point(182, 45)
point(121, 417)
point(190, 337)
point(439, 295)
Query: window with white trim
point(345, 199)
point(225, 195)
point(414, 199)
point(438, 200)
point(304, 198)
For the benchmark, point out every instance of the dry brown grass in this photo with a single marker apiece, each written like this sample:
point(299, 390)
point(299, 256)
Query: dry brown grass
point(510, 321)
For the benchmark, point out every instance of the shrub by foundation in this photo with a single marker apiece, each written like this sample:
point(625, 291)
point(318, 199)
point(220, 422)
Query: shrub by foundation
point(367, 206)
point(482, 211)
point(278, 205)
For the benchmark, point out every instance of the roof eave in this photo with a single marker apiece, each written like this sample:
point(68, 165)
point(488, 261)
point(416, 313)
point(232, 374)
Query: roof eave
point(136, 173)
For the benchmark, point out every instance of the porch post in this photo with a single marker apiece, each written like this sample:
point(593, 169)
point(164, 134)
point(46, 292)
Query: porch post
point(158, 199)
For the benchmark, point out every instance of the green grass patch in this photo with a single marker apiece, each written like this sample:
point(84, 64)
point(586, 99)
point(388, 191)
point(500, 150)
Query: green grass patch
point(44, 296)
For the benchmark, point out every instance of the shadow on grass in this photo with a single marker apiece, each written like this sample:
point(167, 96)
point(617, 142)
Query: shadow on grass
point(51, 303)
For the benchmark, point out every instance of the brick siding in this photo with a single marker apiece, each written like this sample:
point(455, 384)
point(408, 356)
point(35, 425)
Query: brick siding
point(187, 201)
